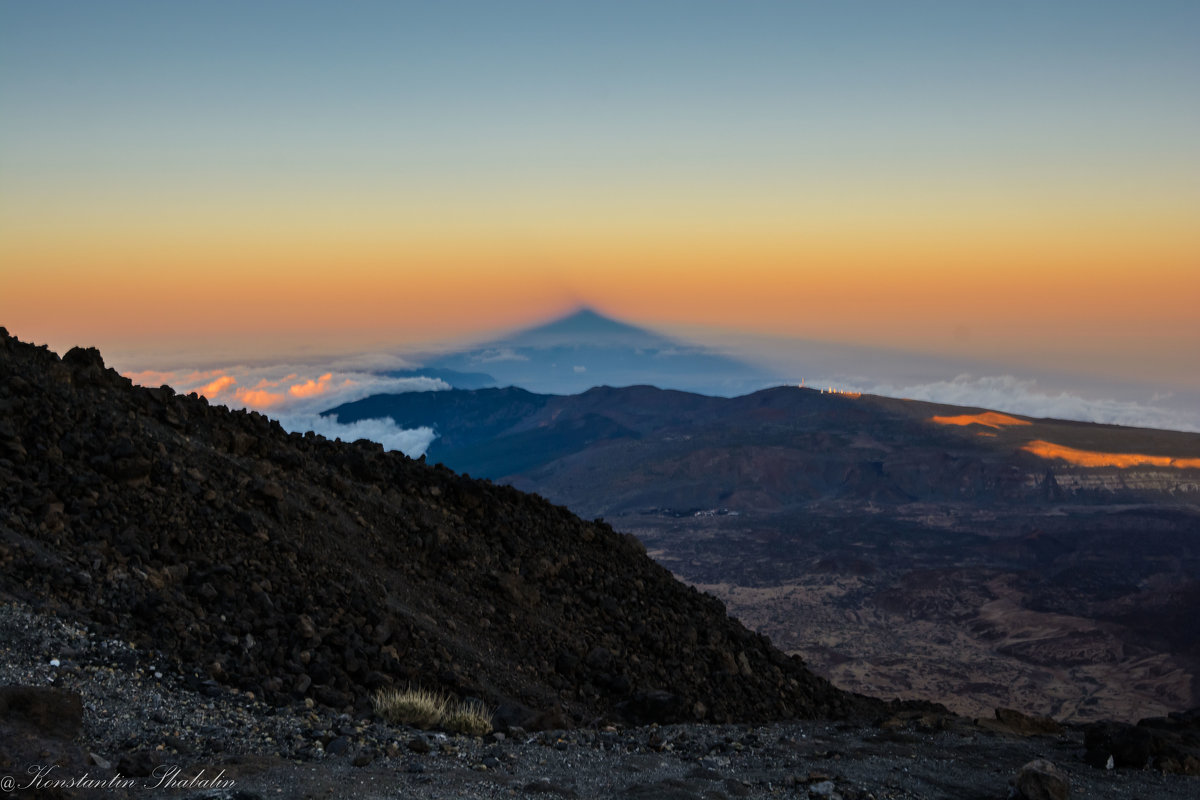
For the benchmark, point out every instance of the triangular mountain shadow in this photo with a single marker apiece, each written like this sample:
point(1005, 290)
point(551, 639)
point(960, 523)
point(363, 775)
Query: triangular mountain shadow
point(583, 322)
point(585, 348)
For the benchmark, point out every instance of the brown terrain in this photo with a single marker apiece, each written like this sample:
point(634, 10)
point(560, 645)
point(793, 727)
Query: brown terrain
point(904, 549)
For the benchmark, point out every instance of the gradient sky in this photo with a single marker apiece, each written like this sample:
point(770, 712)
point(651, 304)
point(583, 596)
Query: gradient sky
point(1015, 182)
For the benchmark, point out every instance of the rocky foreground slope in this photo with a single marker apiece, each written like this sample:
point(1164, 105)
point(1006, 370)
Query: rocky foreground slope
point(292, 567)
point(92, 717)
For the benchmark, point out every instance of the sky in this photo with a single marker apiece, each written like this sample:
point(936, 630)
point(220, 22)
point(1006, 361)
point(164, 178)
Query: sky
point(1014, 185)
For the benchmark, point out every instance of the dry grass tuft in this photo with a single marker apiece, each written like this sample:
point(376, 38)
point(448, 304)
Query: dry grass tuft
point(417, 707)
point(472, 718)
point(424, 709)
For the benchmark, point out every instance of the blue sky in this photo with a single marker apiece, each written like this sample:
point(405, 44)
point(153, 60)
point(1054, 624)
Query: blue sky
point(1013, 183)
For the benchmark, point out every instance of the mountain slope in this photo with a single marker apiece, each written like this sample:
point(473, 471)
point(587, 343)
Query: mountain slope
point(291, 566)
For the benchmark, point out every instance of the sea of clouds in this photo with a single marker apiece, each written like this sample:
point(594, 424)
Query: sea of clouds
point(958, 381)
point(295, 394)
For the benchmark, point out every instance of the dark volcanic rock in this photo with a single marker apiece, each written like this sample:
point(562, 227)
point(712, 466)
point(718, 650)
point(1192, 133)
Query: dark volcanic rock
point(38, 726)
point(286, 565)
point(53, 712)
point(1171, 744)
point(1041, 780)
point(140, 763)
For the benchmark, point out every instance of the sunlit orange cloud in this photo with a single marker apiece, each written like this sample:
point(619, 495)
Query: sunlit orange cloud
point(1091, 458)
point(311, 388)
point(215, 388)
point(259, 398)
point(990, 419)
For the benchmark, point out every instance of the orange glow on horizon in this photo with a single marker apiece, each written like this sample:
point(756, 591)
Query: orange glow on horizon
point(1091, 458)
point(852, 278)
point(989, 419)
point(859, 280)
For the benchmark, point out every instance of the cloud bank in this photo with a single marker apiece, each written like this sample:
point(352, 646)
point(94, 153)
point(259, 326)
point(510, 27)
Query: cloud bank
point(1022, 396)
point(294, 394)
point(410, 441)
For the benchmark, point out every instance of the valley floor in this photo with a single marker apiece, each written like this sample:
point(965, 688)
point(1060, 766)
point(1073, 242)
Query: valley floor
point(1087, 618)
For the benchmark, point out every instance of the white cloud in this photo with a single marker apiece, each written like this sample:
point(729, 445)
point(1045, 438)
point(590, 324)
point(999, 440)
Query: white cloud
point(294, 394)
point(578, 369)
point(498, 354)
point(410, 441)
point(1022, 396)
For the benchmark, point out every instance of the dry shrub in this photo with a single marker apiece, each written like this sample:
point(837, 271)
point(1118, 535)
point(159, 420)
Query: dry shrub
point(424, 709)
point(471, 717)
point(419, 708)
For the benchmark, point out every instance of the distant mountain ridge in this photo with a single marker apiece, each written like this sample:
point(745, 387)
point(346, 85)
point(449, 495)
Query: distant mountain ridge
point(848, 447)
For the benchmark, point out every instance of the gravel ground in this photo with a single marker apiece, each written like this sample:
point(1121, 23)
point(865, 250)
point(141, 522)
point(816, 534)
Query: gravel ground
point(140, 715)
